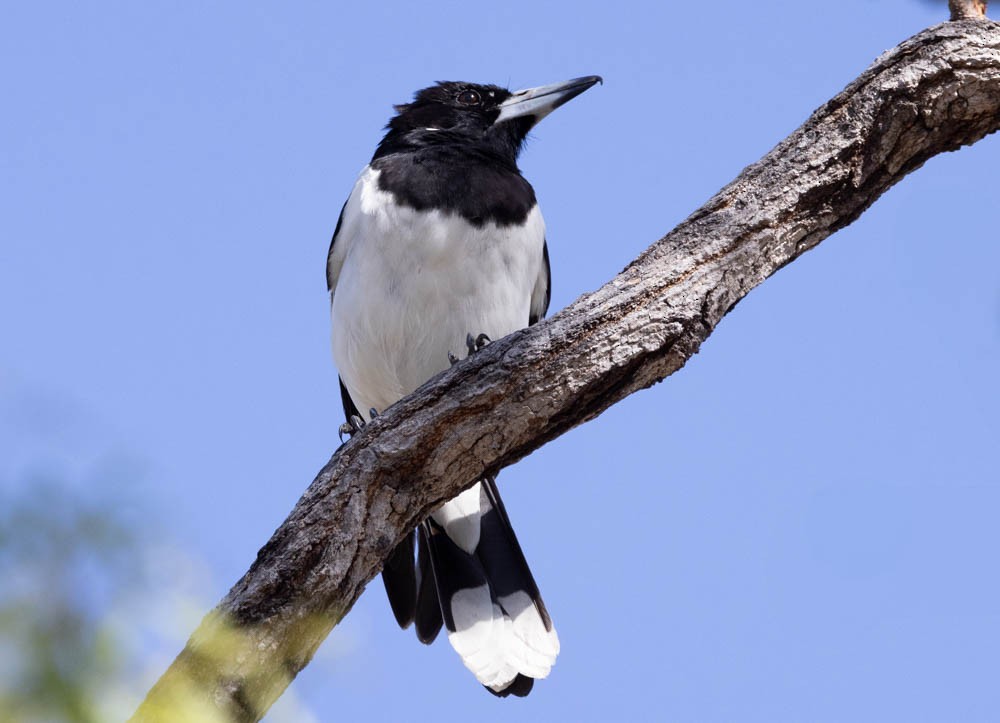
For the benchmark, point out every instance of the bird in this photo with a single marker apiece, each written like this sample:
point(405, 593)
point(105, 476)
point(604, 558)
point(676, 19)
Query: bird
point(439, 246)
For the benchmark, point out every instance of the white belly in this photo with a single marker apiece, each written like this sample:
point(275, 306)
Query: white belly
point(413, 284)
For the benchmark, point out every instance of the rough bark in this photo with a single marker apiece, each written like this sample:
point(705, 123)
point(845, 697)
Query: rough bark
point(935, 92)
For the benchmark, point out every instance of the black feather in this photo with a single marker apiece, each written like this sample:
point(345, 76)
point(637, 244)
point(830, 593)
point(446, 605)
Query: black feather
point(428, 619)
point(520, 687)
point(350, 410)
point(400, 580)
point(477, 186)
point(454, 569)
point(501, 554)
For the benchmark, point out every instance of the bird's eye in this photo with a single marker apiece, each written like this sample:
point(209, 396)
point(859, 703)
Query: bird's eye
point(468, 97)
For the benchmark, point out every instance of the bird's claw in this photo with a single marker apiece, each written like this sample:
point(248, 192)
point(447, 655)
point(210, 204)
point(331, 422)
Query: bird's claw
point(473, 344)
point(353, 425)
point(478, 343)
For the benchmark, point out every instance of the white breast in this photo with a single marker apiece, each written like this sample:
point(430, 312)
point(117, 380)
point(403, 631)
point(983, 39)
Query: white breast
point(410, 285)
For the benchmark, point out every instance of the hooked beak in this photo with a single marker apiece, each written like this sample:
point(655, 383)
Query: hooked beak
point(539, 102)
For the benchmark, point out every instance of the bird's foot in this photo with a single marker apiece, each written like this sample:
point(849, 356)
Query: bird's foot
point(355, 424)
point(352, 426)
point(476, 344)
point(473, 344)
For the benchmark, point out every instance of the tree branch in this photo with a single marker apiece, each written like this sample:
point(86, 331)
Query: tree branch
point(935, 92)
point(967, 9)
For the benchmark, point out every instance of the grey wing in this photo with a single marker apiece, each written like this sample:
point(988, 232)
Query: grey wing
point(332, 263)
point(542, 293)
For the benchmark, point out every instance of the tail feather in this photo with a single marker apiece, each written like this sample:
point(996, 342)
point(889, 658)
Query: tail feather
point(399, 578)
point(521, 686)
point(470, 576)
point(428, 614)
point(515, 590)
point(509, 577)
point(490, 604)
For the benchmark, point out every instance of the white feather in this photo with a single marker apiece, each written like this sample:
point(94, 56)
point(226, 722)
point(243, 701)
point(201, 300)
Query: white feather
point(480, 636)
point(533, 649)
point(460, 518)
point(494, 645)
point(410, 285)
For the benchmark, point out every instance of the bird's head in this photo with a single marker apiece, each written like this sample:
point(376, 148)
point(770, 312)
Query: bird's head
point(488, 116)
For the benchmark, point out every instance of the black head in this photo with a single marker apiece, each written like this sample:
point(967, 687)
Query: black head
point(487, 117)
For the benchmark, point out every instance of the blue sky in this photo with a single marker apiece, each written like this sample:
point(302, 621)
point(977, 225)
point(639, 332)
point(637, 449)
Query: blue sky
point(799, 525)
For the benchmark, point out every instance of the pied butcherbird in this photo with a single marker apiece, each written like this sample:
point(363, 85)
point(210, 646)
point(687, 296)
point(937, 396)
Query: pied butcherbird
point(440, 241)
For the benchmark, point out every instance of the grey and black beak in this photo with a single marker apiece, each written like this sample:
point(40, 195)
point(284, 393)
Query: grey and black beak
point(539, 102)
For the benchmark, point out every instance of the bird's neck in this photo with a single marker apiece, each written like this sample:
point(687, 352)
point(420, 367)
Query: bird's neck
point(455, 147)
